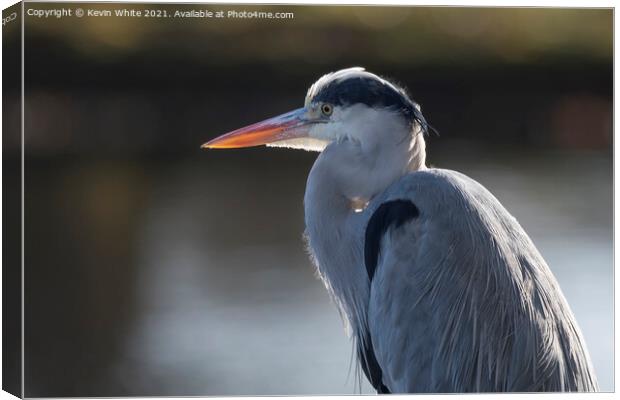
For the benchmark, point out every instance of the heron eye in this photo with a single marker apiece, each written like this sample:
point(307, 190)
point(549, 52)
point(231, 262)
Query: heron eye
point(326, 109)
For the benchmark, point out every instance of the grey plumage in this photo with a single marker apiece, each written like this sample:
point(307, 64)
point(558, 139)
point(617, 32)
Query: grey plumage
point(489, 315)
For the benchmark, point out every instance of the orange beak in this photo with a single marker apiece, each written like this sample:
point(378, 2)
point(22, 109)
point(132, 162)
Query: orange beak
point(283, 127)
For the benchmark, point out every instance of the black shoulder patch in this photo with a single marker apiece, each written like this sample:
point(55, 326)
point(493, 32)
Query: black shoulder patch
point(370, 366)
point(391, 213)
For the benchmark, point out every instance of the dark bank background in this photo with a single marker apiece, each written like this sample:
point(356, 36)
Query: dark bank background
point(155, 268)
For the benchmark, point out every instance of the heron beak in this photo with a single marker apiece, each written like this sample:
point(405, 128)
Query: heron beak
point(287, 126)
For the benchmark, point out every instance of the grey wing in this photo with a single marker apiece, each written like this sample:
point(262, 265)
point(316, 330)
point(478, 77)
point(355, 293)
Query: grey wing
point(461, 300)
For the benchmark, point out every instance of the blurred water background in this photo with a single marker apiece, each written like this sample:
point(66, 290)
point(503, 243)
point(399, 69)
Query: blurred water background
point(155, 268)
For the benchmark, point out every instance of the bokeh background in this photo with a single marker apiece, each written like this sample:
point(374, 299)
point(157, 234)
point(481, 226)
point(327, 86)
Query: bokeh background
point(156, 268)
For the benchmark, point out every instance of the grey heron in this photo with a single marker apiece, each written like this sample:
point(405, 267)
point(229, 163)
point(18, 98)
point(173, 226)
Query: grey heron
point(441, 288)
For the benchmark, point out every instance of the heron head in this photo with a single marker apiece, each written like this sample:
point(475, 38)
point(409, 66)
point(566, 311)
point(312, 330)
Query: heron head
point(348, 105)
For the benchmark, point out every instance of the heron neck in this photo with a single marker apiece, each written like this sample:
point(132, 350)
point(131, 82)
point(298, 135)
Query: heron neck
point(334, 232)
